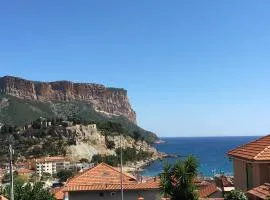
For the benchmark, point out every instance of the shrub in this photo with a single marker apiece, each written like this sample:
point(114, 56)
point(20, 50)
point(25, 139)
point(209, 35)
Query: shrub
point(63, 175)
point(109, 144)
point(235, 195)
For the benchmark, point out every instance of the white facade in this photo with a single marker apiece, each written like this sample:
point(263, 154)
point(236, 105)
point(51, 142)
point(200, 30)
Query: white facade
point(46, 167)
point(51, 165)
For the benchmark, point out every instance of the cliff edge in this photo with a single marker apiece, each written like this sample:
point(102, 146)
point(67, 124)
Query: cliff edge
point(108, 101)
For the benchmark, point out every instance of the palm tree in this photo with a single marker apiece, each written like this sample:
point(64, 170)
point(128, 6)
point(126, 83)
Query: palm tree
point(177, 181)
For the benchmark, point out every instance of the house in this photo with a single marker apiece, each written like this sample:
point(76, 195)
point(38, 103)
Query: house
point(207, 189)
point(225, 183)
point(104, 182)
point(50, 165)
point(251, 164)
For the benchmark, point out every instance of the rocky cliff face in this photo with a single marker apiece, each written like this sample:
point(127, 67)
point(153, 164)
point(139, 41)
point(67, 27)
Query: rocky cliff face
point(111, 101)
point(90, 141)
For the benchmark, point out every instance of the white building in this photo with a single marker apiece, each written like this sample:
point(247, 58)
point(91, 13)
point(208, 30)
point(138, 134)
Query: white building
point(51, 165)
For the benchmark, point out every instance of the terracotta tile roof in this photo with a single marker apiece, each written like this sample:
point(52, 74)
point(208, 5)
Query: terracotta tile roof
point(59, 193)
point(105, 177)
point(25, 171)
point(206, 189)
point(258, 150)
point(261, 191)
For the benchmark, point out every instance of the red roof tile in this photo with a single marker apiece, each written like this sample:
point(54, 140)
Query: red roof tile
point(261, 191)
point(59, 193)
point(25, 171)
point(258, 150)
point(105, 177)
point(206, 189)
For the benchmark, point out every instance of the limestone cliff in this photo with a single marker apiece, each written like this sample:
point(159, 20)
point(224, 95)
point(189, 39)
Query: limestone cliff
point(109, 101)
point(90, 141)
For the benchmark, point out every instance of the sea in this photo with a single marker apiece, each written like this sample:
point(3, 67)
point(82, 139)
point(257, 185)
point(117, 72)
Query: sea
point(211, 153)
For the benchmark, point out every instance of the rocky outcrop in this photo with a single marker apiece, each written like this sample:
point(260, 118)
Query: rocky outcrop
point(90, 141)
point(110, 101)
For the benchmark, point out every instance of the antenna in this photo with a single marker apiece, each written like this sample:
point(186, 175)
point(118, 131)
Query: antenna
point(121, 168)
point(11, 172)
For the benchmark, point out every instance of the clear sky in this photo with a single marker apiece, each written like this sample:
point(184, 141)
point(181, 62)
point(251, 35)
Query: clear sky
point(191, 68)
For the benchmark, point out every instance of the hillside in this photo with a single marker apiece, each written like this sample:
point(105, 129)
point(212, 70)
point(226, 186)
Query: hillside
point(18, 112)
point(94, 142)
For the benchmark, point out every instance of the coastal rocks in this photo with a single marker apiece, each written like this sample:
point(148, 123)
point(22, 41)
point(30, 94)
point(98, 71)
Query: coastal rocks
point(109, 101)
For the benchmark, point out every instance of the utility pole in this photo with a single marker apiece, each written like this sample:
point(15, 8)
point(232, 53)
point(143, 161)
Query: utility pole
point(121, 168)
point(11, 172)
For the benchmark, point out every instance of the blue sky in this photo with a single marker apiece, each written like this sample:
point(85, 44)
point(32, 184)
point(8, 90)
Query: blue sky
point(191, 68)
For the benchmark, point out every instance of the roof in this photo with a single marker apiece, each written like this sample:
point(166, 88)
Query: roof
point(226, 182)
point(106, 177)
point(25, 171)
point(50, 159)
point(261, 191)
point(258, 150)
point(59, 193)
point(206, 189)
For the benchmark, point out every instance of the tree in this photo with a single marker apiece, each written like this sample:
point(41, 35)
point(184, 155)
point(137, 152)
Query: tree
point(235, 195)
point(177, 181)
point(136, 135)
point(109, 143)
point(35, 178)
point(96, 158)
point(46, 176)
point(29, 192)
point(84, 160)
point(63, 175)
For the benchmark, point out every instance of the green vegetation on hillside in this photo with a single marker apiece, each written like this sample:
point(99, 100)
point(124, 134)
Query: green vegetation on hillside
point(40, 140)
point(18, 112)
point(34, 142)
point(128, 155)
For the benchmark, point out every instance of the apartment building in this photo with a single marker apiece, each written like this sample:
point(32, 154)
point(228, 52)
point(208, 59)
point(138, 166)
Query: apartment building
point(50, 165)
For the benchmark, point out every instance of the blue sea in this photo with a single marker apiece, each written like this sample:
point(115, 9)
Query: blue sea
point(211, 153)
